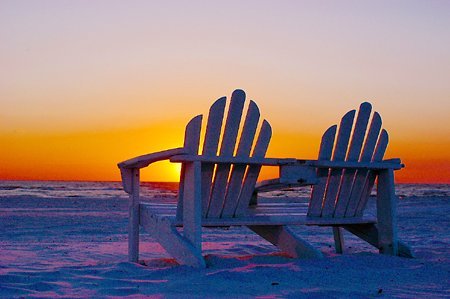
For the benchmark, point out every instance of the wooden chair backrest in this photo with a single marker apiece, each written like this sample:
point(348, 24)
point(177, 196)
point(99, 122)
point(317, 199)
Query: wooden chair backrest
point(227, 189)
point(344, 192)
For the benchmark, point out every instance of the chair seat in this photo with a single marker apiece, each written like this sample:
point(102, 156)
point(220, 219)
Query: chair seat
point(262, 214)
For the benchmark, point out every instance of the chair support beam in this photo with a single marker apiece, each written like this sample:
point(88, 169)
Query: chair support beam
point(287, 241)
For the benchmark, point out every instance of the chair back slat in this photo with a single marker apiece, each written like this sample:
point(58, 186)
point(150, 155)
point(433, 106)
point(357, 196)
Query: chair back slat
point(339, 153)
point(361, 174)
point(318, 190)
point(191, 144)
point(227, 149)
point(238, 171)
point(252, 173)
point(354, 151)
point(377, 156)
point(210, 146)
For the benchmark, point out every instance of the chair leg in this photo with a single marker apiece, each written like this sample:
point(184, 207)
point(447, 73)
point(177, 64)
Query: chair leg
point(192, 205)
point(133, 237)
point(282, 237)
point(338, 239)
point(132, 176)
point(387, 213)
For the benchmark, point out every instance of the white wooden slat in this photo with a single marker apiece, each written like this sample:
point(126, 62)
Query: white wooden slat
point(387, 213)
point(248, 186)
point(192, 135)
point(248, 131)
point(372, 138)
point(210, 146)
point(214, 127)
point(232, 123)
point(226, 149)
point(366, 156)
point(318, 190)
point(380, 149)
point(353, 154)
point(191, 143)
point(339, 153)
point(238, 171)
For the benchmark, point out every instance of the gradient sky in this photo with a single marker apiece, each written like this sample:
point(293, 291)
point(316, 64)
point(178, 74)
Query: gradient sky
point(86, 84)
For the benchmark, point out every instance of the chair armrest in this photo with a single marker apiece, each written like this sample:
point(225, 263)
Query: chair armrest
point(385, 164)
point(145, 160)
point(233, 160)
point(126, 167)
point(303, 172)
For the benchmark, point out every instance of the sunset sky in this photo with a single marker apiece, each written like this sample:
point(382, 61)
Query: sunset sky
point(87, 84)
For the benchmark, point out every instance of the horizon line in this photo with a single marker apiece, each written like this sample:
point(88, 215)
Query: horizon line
point(107, 181)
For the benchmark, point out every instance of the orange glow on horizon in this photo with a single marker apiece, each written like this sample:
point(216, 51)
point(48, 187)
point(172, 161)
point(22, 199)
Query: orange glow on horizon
point(432, 171)
point(90, 156)
point(94, 156)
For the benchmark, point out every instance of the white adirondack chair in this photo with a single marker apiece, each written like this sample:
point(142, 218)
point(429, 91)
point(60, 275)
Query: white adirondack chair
point(349, 162)
point(217, 187)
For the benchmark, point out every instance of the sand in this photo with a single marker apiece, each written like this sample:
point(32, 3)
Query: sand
point(77, 248)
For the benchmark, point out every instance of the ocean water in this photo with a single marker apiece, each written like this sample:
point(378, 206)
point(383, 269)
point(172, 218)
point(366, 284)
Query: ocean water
point(105, 190)
point(100, 190)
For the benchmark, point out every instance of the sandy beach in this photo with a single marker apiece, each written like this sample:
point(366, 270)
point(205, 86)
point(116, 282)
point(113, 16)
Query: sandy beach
point(76, 247)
